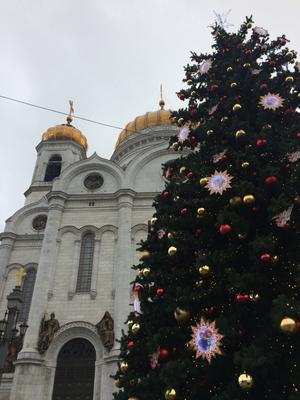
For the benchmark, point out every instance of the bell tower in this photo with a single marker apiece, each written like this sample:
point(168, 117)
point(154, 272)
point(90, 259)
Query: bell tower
point(61, 146)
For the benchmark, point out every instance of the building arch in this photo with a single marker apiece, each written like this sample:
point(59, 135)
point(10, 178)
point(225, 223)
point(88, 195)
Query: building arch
point(67, 332)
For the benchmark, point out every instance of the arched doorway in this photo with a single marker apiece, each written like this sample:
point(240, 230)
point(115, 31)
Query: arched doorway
point(75, 371)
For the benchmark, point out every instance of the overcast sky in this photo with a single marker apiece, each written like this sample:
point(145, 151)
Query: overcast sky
point(109, 57)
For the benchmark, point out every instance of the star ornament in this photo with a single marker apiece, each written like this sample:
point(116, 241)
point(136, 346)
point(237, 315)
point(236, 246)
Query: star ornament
point(271, 101)
point(219, 182)
point(183, 134)
point(205, 66)
point(261, 31)
point(206, 340)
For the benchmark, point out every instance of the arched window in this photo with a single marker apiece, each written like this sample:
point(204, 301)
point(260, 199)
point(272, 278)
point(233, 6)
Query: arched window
point(27, 291)
point(86, 258)
point(75, 371)
point(53, 168)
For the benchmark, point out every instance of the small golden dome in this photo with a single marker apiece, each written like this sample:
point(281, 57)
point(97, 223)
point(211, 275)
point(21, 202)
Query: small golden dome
point(148, 120)
point(65, 132)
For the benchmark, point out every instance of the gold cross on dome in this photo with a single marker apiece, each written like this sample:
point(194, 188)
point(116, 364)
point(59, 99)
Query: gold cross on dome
point(71, 112)
point(20, 274)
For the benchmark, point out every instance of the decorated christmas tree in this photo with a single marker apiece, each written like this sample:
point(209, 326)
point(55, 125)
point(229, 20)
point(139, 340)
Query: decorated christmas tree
point(217, 293)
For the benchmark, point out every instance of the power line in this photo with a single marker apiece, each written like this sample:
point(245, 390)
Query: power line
point(62, 113)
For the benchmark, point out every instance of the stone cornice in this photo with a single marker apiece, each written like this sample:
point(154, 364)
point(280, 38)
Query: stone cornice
point(8, 235)
point(60, 143)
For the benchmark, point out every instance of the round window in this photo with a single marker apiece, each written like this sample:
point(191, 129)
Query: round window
point(93, 181)
point(39, 222)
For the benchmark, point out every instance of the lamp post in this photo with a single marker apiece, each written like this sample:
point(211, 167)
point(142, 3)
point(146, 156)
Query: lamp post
point(8, 325)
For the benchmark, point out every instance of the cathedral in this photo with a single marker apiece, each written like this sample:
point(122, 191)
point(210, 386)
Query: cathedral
point(67, 254)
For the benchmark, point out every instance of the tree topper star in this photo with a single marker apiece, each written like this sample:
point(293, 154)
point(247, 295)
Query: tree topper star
point(222, 20)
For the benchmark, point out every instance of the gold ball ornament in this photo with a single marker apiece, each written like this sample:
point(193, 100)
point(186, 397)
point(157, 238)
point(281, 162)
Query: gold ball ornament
point(170, 394)
point(204, 270)
point(181, 315)
point(235, 201)
point(200, 284)
point(240, 133)
point(242, 236)
point(245, 382)
point(130, 323)
point(275, 259)
point(224, 119)
point(249, 199)
point(133, 398)
point(123, 366)
point(170, 235)
point(245, 164)
point(175, 146)
point(189, 82)
point(267, 127)
point(247, 65)
point(289, 79)
point(249, 25)
point(180, 121)
point(233, 85)
point(153, 220)
point(194, 93)
point(135, 327)
point(201, 211)
point(254, 297)
point(172, 250)
point(182, 170)
point(288, 326)
point(236, 107)
point(203, 181)
point(297, 200)
point(146, 271)
point(209, 132)
point(229, 69)
point(290, 54)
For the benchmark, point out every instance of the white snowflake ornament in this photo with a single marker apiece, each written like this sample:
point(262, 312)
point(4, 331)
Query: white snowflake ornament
point(260, 31)
point(183, 134)
point(219, 182)
point(271, 101)
point(205, 66)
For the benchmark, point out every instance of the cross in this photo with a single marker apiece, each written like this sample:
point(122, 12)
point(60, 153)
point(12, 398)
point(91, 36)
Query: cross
point(71, 112)
point(19, 277)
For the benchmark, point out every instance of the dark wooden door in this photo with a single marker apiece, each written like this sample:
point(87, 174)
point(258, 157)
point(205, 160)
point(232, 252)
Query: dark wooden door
point(75, 371)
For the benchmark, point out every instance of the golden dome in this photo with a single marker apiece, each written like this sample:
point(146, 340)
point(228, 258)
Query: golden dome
point(148, 120)
point(65, 132)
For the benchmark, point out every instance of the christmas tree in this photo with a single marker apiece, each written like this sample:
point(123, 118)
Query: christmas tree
point(217, 296)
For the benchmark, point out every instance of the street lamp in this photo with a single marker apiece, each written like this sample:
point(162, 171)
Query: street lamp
point(8, 325)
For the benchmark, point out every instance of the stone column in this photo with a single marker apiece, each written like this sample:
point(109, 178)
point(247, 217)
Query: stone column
point(29, 373)
point(8, 240)
point(123, 262)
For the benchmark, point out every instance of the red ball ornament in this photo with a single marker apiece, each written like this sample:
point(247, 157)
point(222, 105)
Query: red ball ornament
point(174, 350)
point(261, 142)
point(225, 51)
point(138, 288)
point(248, 52)
point(289, 111)
point(224, 98)
point(272, 63)
point(271, 180)
point(166, 194)
point(298, 135)
point(181, 96)
point(183, 211)
point(130, 344)
point(193, 139)
point(282, 42)
point(266, 257)
point(263, 86)
point(198, 232)
point(160, 292)
point(194, 112)
point(163, 354)
point(225, 229)
point(242, 298)
point(214, 88)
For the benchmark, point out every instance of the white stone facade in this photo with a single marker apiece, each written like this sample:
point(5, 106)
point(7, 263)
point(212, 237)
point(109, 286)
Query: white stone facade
point(117, 214)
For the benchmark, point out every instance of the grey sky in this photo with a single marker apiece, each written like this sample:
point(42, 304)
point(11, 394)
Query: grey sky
point(109, 57)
